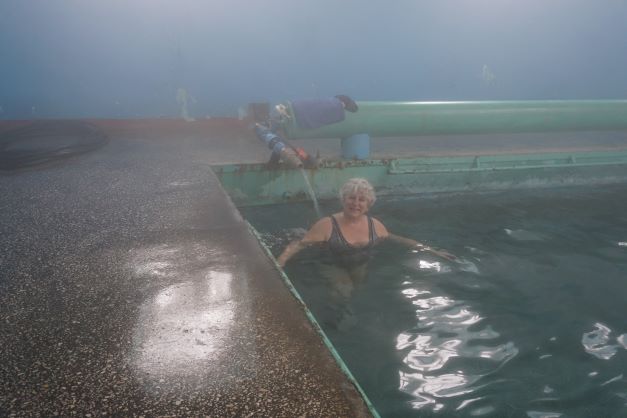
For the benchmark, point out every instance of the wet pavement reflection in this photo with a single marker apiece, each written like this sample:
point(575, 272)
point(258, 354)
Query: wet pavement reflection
point(185, 327)
point(131, 286)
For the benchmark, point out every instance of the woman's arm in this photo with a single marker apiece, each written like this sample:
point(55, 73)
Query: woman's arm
point(289, 251)
point(318, 233)
point(421, 247)
point(382, 232)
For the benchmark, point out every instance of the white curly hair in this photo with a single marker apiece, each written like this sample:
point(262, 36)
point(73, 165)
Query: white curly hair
point(358, 185)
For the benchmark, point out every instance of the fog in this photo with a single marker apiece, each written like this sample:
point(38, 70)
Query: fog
point(129, 59)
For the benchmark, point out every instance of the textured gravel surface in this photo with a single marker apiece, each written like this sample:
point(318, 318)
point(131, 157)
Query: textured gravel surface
point(129, 286)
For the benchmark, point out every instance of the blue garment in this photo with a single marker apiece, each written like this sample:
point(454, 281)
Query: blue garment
point(346, 255)
point(314, 113)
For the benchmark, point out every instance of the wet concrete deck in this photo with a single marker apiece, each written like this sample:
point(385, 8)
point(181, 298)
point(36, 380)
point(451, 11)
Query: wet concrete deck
point(130, 286)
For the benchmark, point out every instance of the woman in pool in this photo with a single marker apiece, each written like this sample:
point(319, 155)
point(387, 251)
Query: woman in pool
point(350, 236)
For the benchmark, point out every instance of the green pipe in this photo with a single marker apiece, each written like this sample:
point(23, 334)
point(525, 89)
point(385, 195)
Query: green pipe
point(387, 119)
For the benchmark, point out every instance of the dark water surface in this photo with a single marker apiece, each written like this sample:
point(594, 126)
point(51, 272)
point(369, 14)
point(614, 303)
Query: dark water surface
point(530, 322)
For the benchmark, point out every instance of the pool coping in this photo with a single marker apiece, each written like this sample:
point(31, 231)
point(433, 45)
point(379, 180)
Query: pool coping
point(312, 319)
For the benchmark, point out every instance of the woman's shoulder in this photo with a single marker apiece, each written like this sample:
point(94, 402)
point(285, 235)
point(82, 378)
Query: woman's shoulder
point(379, 228)
point(321, 230)
point(325, 221)
point(328, 220)
point(376, 221)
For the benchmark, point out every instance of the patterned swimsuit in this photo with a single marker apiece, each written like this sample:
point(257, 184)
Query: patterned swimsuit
point(346, 255)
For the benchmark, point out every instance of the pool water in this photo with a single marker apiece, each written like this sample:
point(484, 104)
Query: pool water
point(531, 321)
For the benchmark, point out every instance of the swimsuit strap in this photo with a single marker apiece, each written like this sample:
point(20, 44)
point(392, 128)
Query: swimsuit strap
point(372, 235)
point(337, 230)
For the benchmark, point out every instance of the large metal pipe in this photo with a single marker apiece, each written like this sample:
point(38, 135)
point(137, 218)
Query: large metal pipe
point(387, 119)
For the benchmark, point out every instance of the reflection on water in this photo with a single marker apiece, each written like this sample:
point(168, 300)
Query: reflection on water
point(435, 266)
point(461, 264)
point(596, 342)
point(524, 235)
point(540, 414)
point(446, 329)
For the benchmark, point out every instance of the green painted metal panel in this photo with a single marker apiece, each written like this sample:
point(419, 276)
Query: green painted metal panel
point(388, 119)
point(254, 184)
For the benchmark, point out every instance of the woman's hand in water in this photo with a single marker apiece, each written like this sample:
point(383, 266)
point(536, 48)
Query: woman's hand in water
point(439, 253)
point(444, 254)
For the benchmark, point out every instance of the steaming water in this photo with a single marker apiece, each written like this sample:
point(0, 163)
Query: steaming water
point(311, 192)
point(530, 322)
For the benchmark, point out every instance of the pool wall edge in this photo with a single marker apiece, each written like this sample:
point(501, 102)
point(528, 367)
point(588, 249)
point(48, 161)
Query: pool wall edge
point(312, 319)
point(255, 184)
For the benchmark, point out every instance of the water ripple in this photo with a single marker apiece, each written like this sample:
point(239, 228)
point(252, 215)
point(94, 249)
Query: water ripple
point(430, 352)
point(596, 342)
point(543, 414)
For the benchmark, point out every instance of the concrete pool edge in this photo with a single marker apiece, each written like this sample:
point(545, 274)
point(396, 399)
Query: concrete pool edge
point(312, 320)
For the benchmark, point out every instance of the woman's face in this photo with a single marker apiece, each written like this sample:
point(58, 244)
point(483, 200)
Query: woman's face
point(356, 204)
